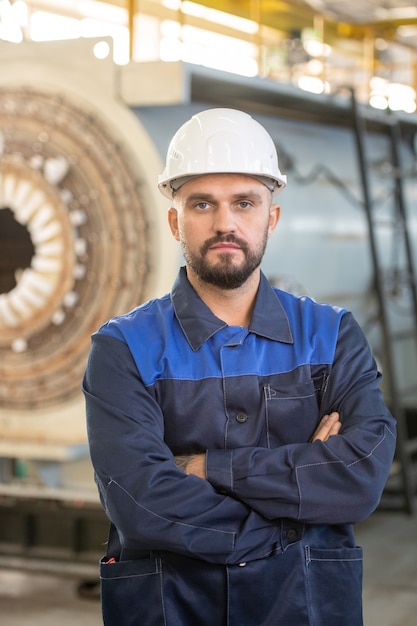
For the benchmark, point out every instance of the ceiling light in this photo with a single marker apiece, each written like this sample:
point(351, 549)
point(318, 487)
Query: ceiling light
point(9, 25)
point(378, 102)
point(20, 12)
point(101, 50)
point(401, 13)
point(401, 98)
point(103, 12)
point(213, 15)
point(51, 27)
point(311, 84)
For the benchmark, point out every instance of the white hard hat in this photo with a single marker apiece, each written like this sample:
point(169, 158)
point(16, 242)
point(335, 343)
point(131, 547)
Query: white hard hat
point(221, 141)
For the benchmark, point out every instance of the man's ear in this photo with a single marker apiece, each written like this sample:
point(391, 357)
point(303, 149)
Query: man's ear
point(173, 222)
point(274, 215)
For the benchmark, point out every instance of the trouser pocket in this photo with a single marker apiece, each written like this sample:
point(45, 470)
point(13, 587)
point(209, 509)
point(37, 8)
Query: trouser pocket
point(334, 586)
point(131, 593)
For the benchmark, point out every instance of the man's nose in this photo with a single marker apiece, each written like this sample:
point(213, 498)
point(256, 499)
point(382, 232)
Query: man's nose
point(224, 219)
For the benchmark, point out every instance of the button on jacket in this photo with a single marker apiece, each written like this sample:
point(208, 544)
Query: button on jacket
point(267, 539)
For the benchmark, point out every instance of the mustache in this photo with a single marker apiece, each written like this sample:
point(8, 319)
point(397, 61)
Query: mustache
point(223, 239)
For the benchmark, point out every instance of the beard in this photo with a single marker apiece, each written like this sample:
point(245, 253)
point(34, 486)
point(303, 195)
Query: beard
point(224, 273)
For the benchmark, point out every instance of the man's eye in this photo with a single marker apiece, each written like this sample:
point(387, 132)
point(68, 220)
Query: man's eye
point(202, 205)
point(244, 204)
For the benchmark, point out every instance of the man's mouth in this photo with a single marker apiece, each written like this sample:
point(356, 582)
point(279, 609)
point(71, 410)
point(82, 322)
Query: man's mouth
point(225, 245)
point(228, 244)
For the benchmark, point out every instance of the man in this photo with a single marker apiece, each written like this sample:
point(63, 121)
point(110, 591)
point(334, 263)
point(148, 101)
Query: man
point(237, 432)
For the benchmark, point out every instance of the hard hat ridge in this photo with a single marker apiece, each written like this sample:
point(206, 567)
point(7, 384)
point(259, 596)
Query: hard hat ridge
point(221, 141)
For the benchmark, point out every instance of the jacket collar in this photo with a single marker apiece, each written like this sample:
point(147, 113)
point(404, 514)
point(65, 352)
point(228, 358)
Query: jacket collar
point(198, 323)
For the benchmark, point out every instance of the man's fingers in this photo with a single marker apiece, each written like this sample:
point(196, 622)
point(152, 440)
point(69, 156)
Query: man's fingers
point(335, 428)
point(329, 425)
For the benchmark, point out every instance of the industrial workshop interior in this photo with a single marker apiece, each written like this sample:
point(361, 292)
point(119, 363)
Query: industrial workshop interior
point(90, 94)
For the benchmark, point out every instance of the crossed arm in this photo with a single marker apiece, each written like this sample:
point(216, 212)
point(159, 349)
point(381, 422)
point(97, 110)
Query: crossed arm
point(333, 480)
point(196, 463)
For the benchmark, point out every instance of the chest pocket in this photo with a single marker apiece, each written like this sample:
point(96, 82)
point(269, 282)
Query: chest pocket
point(292, 412)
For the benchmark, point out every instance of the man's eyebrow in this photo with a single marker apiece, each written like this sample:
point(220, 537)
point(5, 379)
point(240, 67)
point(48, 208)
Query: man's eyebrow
point(250, 195)
point(199, 196)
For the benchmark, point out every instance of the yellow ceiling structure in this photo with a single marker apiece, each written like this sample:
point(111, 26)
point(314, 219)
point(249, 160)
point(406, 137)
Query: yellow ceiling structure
point(354, 18)
point(360, 39)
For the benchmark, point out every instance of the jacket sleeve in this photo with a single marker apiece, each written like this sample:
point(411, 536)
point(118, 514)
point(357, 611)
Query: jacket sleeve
point(337, 481)
point(153, 504)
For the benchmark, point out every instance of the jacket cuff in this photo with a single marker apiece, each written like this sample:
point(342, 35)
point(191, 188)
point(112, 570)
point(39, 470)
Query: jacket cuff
point(219, 469)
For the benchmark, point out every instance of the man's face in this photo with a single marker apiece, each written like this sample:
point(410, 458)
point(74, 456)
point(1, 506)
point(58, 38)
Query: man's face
point(223, 222)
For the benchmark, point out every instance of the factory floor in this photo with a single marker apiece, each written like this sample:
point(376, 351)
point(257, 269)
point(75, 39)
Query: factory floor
point(389, 540)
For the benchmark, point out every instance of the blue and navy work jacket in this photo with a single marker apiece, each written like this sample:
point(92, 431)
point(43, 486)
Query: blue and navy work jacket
point(267, 539)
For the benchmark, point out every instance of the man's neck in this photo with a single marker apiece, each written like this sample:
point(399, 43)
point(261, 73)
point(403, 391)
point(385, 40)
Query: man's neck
point(233, 306)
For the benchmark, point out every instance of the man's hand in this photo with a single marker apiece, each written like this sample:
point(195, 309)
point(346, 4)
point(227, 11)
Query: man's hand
point(197, 465)
point(192, 464)
point(329, 425)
